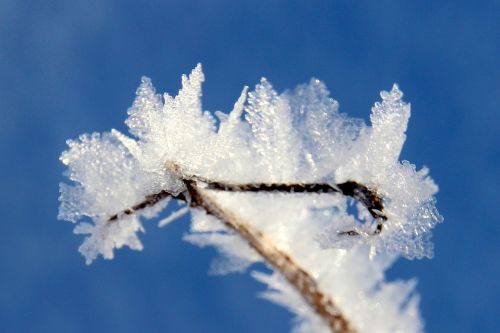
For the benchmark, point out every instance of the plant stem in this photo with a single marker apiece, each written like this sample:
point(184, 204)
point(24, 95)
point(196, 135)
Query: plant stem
point(199, 197)
point(279, 260)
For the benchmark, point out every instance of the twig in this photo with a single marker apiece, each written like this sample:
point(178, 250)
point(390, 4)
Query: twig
point(149, 201)
point(199, 197)
point(293, 273)
point(367, 197)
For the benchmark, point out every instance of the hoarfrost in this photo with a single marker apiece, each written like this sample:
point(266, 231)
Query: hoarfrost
point(297, 137)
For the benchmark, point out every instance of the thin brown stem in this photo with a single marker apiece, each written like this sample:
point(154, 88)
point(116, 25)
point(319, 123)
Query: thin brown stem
point(369, 198)
point(149, 201)
point(359, 192)
point(279, 260)
point(199, 197)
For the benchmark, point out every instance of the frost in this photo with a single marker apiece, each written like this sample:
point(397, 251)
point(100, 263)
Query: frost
point(283, 175)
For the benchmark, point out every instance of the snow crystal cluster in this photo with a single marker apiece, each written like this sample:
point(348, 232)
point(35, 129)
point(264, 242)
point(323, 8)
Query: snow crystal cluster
point(298, 136)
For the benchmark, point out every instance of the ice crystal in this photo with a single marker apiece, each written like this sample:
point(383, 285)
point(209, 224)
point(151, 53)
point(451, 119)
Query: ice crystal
point(297, 137)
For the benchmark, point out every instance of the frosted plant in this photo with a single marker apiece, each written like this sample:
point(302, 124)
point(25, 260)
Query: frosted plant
point(283, 179)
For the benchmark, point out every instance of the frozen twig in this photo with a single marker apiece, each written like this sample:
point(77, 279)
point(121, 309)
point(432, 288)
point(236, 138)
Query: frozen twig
point(273, 180)
point(367, 197)
point(281, 261)
point(199, 197)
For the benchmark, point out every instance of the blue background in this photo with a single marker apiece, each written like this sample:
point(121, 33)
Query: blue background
point(68, 67)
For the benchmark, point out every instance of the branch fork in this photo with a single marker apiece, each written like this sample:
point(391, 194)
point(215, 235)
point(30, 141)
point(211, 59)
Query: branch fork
point(197, 195)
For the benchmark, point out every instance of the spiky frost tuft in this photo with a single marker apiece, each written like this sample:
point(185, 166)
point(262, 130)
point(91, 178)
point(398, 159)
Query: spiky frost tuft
point(295, 137)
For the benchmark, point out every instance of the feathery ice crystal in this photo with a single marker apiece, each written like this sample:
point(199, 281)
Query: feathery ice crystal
point(284, 179)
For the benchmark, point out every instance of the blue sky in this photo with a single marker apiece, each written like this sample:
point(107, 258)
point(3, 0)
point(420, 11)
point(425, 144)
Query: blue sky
point(68, 67)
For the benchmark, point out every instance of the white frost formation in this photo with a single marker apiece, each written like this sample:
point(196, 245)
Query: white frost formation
point(295, 137)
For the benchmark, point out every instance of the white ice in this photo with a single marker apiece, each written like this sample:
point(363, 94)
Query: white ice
point(298, 136)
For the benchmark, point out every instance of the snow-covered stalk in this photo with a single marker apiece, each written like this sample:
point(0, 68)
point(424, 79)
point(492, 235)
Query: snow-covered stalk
point(279, 187)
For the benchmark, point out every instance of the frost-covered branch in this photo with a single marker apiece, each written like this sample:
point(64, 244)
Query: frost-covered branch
point(322, 304)
point(197, 197)
point(320, 197)
point(367, 197)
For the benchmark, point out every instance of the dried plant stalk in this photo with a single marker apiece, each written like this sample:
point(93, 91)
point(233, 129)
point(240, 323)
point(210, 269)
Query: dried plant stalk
point(199, 197)
point(279, 260)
